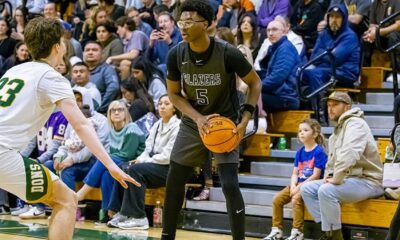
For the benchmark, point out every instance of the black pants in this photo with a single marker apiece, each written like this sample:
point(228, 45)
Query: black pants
point(130, 202)
point(394, 230)
point(177, 177)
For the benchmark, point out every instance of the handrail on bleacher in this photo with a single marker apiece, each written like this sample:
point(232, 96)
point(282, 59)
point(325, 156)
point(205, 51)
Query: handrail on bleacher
point(389, 49)
point(332, 81)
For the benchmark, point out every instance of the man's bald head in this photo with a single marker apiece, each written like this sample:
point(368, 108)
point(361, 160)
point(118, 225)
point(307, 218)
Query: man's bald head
point(275, 31)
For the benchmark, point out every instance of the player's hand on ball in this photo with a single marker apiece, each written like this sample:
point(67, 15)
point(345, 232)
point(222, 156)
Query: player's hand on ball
point(203, 124)
point(121, 176)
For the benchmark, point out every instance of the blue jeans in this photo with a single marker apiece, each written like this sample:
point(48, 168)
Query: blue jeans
point(74, 173)
point(323, 199)
point(99, 176)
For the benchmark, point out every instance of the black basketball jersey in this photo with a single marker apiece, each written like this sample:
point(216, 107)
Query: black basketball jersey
point(206, 84)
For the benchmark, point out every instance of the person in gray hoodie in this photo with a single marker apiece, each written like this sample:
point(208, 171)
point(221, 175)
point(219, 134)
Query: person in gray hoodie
point(73, 158)
point(354, 170)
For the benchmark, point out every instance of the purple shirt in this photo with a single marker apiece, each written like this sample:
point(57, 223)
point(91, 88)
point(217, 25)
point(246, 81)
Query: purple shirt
point(53, 129)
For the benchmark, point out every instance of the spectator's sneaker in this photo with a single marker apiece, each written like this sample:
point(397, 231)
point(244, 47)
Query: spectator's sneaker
point(18, 211)
point(295, 234)
point(117, 218)
point(275, 234)
point(79, 215)
point(4, 210)
point(390, 77)
point(33, 213)
point(135, 223)
point(203, 196)
point(392, 193)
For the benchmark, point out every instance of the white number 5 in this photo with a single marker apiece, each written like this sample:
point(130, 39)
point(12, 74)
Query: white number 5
point(202, 96)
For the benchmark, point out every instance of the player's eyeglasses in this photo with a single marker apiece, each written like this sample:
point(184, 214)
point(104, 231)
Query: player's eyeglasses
point(187, 23)
point(114, 110)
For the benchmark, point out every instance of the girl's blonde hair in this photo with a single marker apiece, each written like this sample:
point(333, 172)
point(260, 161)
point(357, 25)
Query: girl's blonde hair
point(316, 128)
point(118, 103)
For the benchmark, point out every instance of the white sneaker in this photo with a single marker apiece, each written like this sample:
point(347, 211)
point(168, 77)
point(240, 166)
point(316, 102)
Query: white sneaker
point(275, 234)
point(117, 218)
point(19, 211)
point(135, 223)
point(34, 212)
point(390, 77)
point(295, 234)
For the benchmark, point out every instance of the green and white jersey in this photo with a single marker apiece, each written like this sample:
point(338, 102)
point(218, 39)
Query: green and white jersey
point(28, 93)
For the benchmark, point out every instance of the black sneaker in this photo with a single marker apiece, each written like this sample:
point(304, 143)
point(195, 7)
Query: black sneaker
point(4, 210)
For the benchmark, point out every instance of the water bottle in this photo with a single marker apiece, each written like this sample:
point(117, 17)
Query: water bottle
point(157, 215)
point(282, 143)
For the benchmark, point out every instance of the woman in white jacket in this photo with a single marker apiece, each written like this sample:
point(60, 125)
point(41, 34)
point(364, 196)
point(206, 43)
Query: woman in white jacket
point(150, 169)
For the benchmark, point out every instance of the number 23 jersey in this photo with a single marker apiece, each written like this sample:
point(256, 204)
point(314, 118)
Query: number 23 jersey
point(28, 93)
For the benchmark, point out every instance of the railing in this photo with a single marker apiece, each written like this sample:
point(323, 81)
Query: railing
point(389, 49)
point(332, 81)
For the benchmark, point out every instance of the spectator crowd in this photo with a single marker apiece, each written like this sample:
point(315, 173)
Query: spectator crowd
point(116, 63)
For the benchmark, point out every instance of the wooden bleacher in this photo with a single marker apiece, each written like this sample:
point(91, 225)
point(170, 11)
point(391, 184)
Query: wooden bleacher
point(371, 213)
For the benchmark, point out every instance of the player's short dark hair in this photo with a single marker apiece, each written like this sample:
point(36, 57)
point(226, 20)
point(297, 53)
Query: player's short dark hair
point(201, 7)
point(128, 21)
point(41, 34)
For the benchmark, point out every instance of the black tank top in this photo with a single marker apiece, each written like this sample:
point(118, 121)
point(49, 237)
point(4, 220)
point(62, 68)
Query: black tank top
point(206, 84)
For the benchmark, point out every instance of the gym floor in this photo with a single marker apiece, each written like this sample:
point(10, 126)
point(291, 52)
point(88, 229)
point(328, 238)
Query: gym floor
point(13, 228)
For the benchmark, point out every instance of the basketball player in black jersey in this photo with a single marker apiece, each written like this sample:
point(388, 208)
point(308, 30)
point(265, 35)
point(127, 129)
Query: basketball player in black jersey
point(201, 83)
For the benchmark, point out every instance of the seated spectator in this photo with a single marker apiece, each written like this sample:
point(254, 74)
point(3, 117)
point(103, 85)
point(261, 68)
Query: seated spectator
point(135, 41)
point(19, 22)
point(269, 10)
point(126, 143)
point(21, 55)
point(150, 169)
point(345, 47)
point(146, 12)
point(50, 11)
point(278, 69)
point(80, 77)
point(295, 39)
point(110, 43)
point(7, 44)
point(97, 15)
point(141, 25)
point(73, 159)
point(101, 74)
point(304, 20)
point(64, 67)
point(358, 14)
point(247, 34)
point(163, 39)
point(114, 11)
point(74, 45)
point(138, 101)
point(390, 34)
point(309, 165)
point(353, 163)
point(231, 11)
point(150, 78)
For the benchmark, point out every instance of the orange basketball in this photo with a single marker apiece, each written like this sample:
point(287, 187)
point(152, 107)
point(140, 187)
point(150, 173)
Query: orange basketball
point(220, 138)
